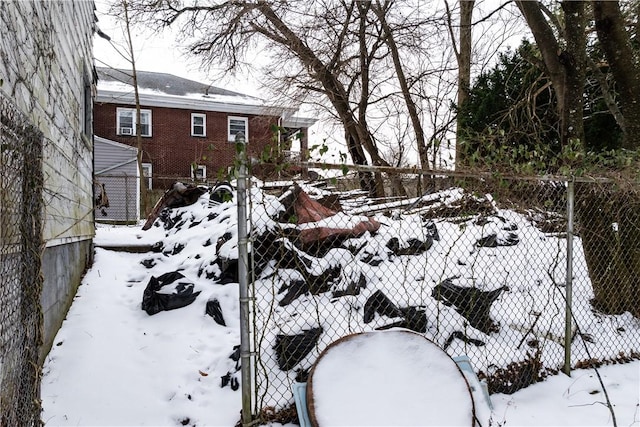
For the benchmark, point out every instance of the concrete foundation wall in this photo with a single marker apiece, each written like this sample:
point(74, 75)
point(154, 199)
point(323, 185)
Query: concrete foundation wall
point(63, 267)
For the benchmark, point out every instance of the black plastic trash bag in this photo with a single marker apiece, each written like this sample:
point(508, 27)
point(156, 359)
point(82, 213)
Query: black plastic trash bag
point(472, 303)
point(214, 310)
point(493, 240)
point(379, 303)
point(291, 349)
point(155, 300)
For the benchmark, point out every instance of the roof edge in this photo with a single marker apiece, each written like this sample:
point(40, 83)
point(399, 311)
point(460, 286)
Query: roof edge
point(114, 143)
point(116, 97)
point(298, 122)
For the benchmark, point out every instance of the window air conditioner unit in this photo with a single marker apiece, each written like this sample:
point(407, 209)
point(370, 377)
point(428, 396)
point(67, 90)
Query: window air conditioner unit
point(126, 131)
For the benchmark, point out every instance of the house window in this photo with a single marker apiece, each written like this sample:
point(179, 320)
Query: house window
point(199, 172)
point(236, 125)
point(147, 172)
point(198, 124)
point(126, 122)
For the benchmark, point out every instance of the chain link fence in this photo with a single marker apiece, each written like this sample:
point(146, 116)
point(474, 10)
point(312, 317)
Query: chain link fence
point(21, 186)
point(524, 276)
point(117, 198)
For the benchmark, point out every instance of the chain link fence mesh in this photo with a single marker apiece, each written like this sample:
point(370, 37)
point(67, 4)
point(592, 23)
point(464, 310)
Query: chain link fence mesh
point(21, 185)
point(117, 198)
point(477, 265)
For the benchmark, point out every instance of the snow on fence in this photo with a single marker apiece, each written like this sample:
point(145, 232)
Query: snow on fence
point(526, 277)
point(21, 186)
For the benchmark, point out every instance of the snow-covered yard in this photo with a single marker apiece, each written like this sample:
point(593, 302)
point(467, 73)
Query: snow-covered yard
point(113, 364)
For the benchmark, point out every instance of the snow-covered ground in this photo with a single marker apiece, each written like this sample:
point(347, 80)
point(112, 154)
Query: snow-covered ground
point(112, 364)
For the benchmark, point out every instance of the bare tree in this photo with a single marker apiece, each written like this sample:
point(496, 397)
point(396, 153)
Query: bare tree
point(128, 53)
point(226, 30)
point(355, 55)
point(462, 51)
point(463, 54)
point(381, 10)
point(136, 94)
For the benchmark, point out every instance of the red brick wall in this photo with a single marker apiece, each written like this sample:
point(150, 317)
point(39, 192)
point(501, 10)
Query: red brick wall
point(171, 149)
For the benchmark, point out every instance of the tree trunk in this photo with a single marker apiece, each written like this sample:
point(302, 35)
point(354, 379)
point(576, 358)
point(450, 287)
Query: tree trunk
point(550, 51)
point(608, 95)
point(404, 86)
point(363, 104)
point(366, 179)
point(565, 67)
point(358, 137)
point(616, 44)
point(608, 221)
point(609, 218)
point(574, 62)
point(463, 58)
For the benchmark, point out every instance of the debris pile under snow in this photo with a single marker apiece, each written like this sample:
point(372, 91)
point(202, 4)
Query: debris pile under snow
point(323, 271)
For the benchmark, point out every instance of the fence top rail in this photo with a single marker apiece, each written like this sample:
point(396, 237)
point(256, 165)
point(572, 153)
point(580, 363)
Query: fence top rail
point(451, 173)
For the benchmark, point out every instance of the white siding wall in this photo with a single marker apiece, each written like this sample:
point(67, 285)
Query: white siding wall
point(46, 57)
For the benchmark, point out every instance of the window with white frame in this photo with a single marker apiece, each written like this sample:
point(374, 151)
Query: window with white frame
point(199, 172)
point(198, 124)
point(126, 122)
point(147, 171)
point(237, 125)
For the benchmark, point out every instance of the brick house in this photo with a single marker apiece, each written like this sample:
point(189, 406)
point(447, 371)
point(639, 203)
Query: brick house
point(188, 128)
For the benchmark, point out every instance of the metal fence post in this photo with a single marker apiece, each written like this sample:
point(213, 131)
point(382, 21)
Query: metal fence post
point(568, 332)
point(126, 198)
point(243, 282)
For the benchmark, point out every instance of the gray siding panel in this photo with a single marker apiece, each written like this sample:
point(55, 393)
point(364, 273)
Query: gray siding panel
point(109, 153)
point(116, 170)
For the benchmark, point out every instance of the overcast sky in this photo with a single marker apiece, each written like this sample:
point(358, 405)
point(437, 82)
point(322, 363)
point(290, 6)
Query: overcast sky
point(157, 52)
